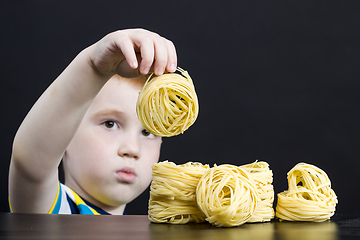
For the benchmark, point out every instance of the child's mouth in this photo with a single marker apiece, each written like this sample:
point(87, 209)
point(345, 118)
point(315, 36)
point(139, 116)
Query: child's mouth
point(126, 175)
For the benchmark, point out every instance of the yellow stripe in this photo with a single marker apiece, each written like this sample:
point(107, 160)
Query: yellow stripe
point(56, 199)
point(11, 210)
point(78, 201)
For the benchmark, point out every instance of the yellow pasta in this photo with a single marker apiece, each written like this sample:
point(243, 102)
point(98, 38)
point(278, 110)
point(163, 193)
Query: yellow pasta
point(263, 178)
point(167, 105)
point(227, 196)
point(172, 193)
point(309, 197)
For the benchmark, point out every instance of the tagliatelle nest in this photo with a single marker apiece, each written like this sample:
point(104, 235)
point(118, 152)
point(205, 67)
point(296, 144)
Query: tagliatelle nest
point(309, 197)
point(263, 178)
point(167, 104)
point(172, 193)
point(226, 194)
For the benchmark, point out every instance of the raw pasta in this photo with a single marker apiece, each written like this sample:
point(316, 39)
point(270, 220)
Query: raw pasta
point(309, 197)
point(172, 193)
point(224, 195)
point(263, 178)
point(167, 105)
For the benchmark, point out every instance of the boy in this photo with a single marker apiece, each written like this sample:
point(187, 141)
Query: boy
point(90, 123)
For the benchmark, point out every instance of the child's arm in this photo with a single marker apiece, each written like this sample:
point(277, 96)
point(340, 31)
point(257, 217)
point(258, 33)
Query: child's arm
point(53, 120)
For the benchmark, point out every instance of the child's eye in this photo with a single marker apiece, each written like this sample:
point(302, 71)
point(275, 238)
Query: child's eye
point(146, 133)
point(110, 124)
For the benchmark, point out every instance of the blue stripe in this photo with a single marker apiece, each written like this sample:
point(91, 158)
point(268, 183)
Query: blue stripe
point(73, 208)
point(99, 210)
point(58, 202)
point(85, 210)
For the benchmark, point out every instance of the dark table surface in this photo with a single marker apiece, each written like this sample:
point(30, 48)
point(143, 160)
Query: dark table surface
point(42, 226)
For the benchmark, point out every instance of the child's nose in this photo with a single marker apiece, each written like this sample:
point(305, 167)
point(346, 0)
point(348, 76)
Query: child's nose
point(130, 147)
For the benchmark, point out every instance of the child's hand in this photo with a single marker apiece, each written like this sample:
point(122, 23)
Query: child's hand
point(132, 52)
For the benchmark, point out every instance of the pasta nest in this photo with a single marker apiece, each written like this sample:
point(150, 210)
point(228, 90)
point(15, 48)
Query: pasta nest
point(263, 178)
point(167, 105)
point(309, 197)
point(226, 194)
point(172, 193)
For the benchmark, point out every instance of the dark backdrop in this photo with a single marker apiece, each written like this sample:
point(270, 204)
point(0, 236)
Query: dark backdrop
point(277, 80)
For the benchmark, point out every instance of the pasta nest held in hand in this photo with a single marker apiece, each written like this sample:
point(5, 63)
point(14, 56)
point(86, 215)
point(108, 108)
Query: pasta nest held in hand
point(167, 104)
point(309, 197)
point(226, 194)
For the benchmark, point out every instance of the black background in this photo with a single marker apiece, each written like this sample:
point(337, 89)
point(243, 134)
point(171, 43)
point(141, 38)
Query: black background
point(277, 80)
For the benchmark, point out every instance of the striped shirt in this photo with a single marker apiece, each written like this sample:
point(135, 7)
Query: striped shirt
point(69, 202)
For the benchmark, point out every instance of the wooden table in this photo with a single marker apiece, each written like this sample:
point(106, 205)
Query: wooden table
point(42, 226)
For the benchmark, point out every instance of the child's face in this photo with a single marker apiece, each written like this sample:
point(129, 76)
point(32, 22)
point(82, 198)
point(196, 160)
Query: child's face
point(109, 159)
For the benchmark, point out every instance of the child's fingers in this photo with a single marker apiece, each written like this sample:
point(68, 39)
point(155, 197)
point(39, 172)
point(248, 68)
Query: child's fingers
point(161, 55)
point(157, 53)
point(127, 49)
point(165, 56)
point(172, 57)
point(147, 52)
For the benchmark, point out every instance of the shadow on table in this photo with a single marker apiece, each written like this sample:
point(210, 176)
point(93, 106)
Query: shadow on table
point(264, 231)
